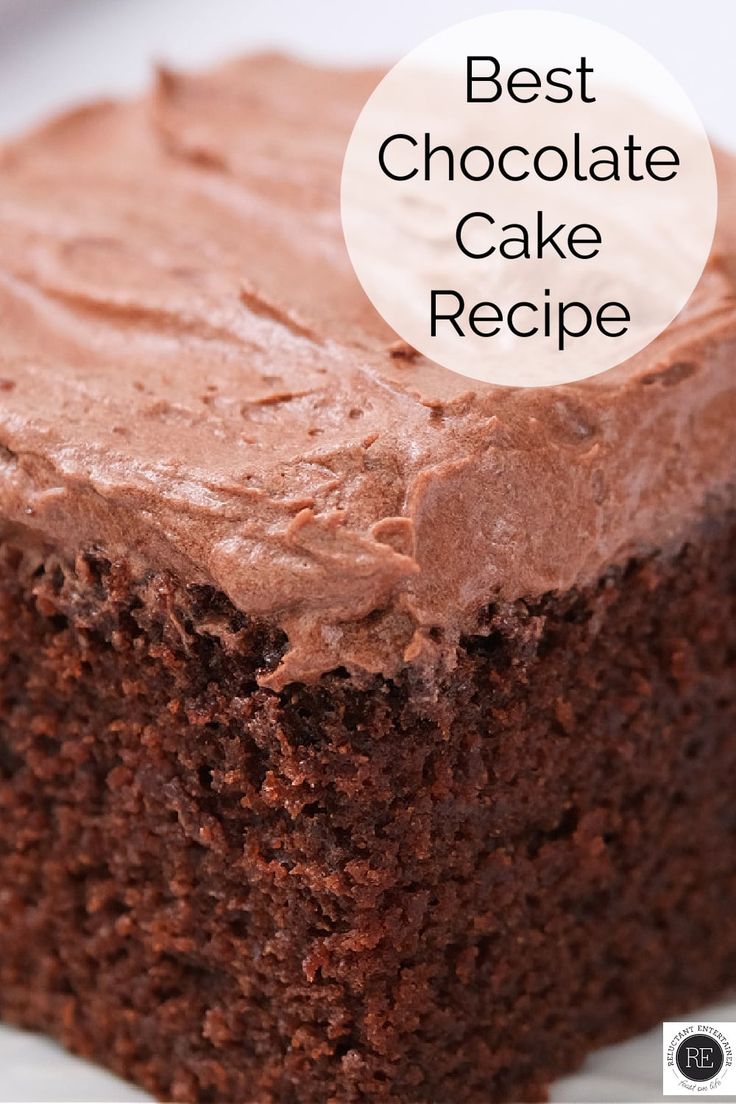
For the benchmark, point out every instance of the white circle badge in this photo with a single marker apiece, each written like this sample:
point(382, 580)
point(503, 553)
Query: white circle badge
point(528, 198)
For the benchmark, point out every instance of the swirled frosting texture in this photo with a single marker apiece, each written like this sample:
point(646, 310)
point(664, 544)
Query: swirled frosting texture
point(190, 376)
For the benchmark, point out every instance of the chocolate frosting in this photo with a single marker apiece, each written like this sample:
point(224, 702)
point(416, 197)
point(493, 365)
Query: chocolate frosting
point(191, 377)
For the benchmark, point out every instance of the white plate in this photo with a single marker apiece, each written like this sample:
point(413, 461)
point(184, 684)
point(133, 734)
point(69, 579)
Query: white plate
point(36, 1071)
point(54, 52)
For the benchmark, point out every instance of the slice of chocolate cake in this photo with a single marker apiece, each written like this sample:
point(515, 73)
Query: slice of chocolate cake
point(366, 735)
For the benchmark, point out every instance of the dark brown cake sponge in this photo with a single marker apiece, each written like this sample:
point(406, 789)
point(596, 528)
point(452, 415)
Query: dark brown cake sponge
point(374, 891)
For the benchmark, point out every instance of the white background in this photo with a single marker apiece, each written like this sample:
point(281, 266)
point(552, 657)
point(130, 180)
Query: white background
point(56, 52)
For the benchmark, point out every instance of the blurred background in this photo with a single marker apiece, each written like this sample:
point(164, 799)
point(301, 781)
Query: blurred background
point(54, 53)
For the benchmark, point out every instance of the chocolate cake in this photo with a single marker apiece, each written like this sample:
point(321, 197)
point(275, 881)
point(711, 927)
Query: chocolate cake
point(366, 734)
